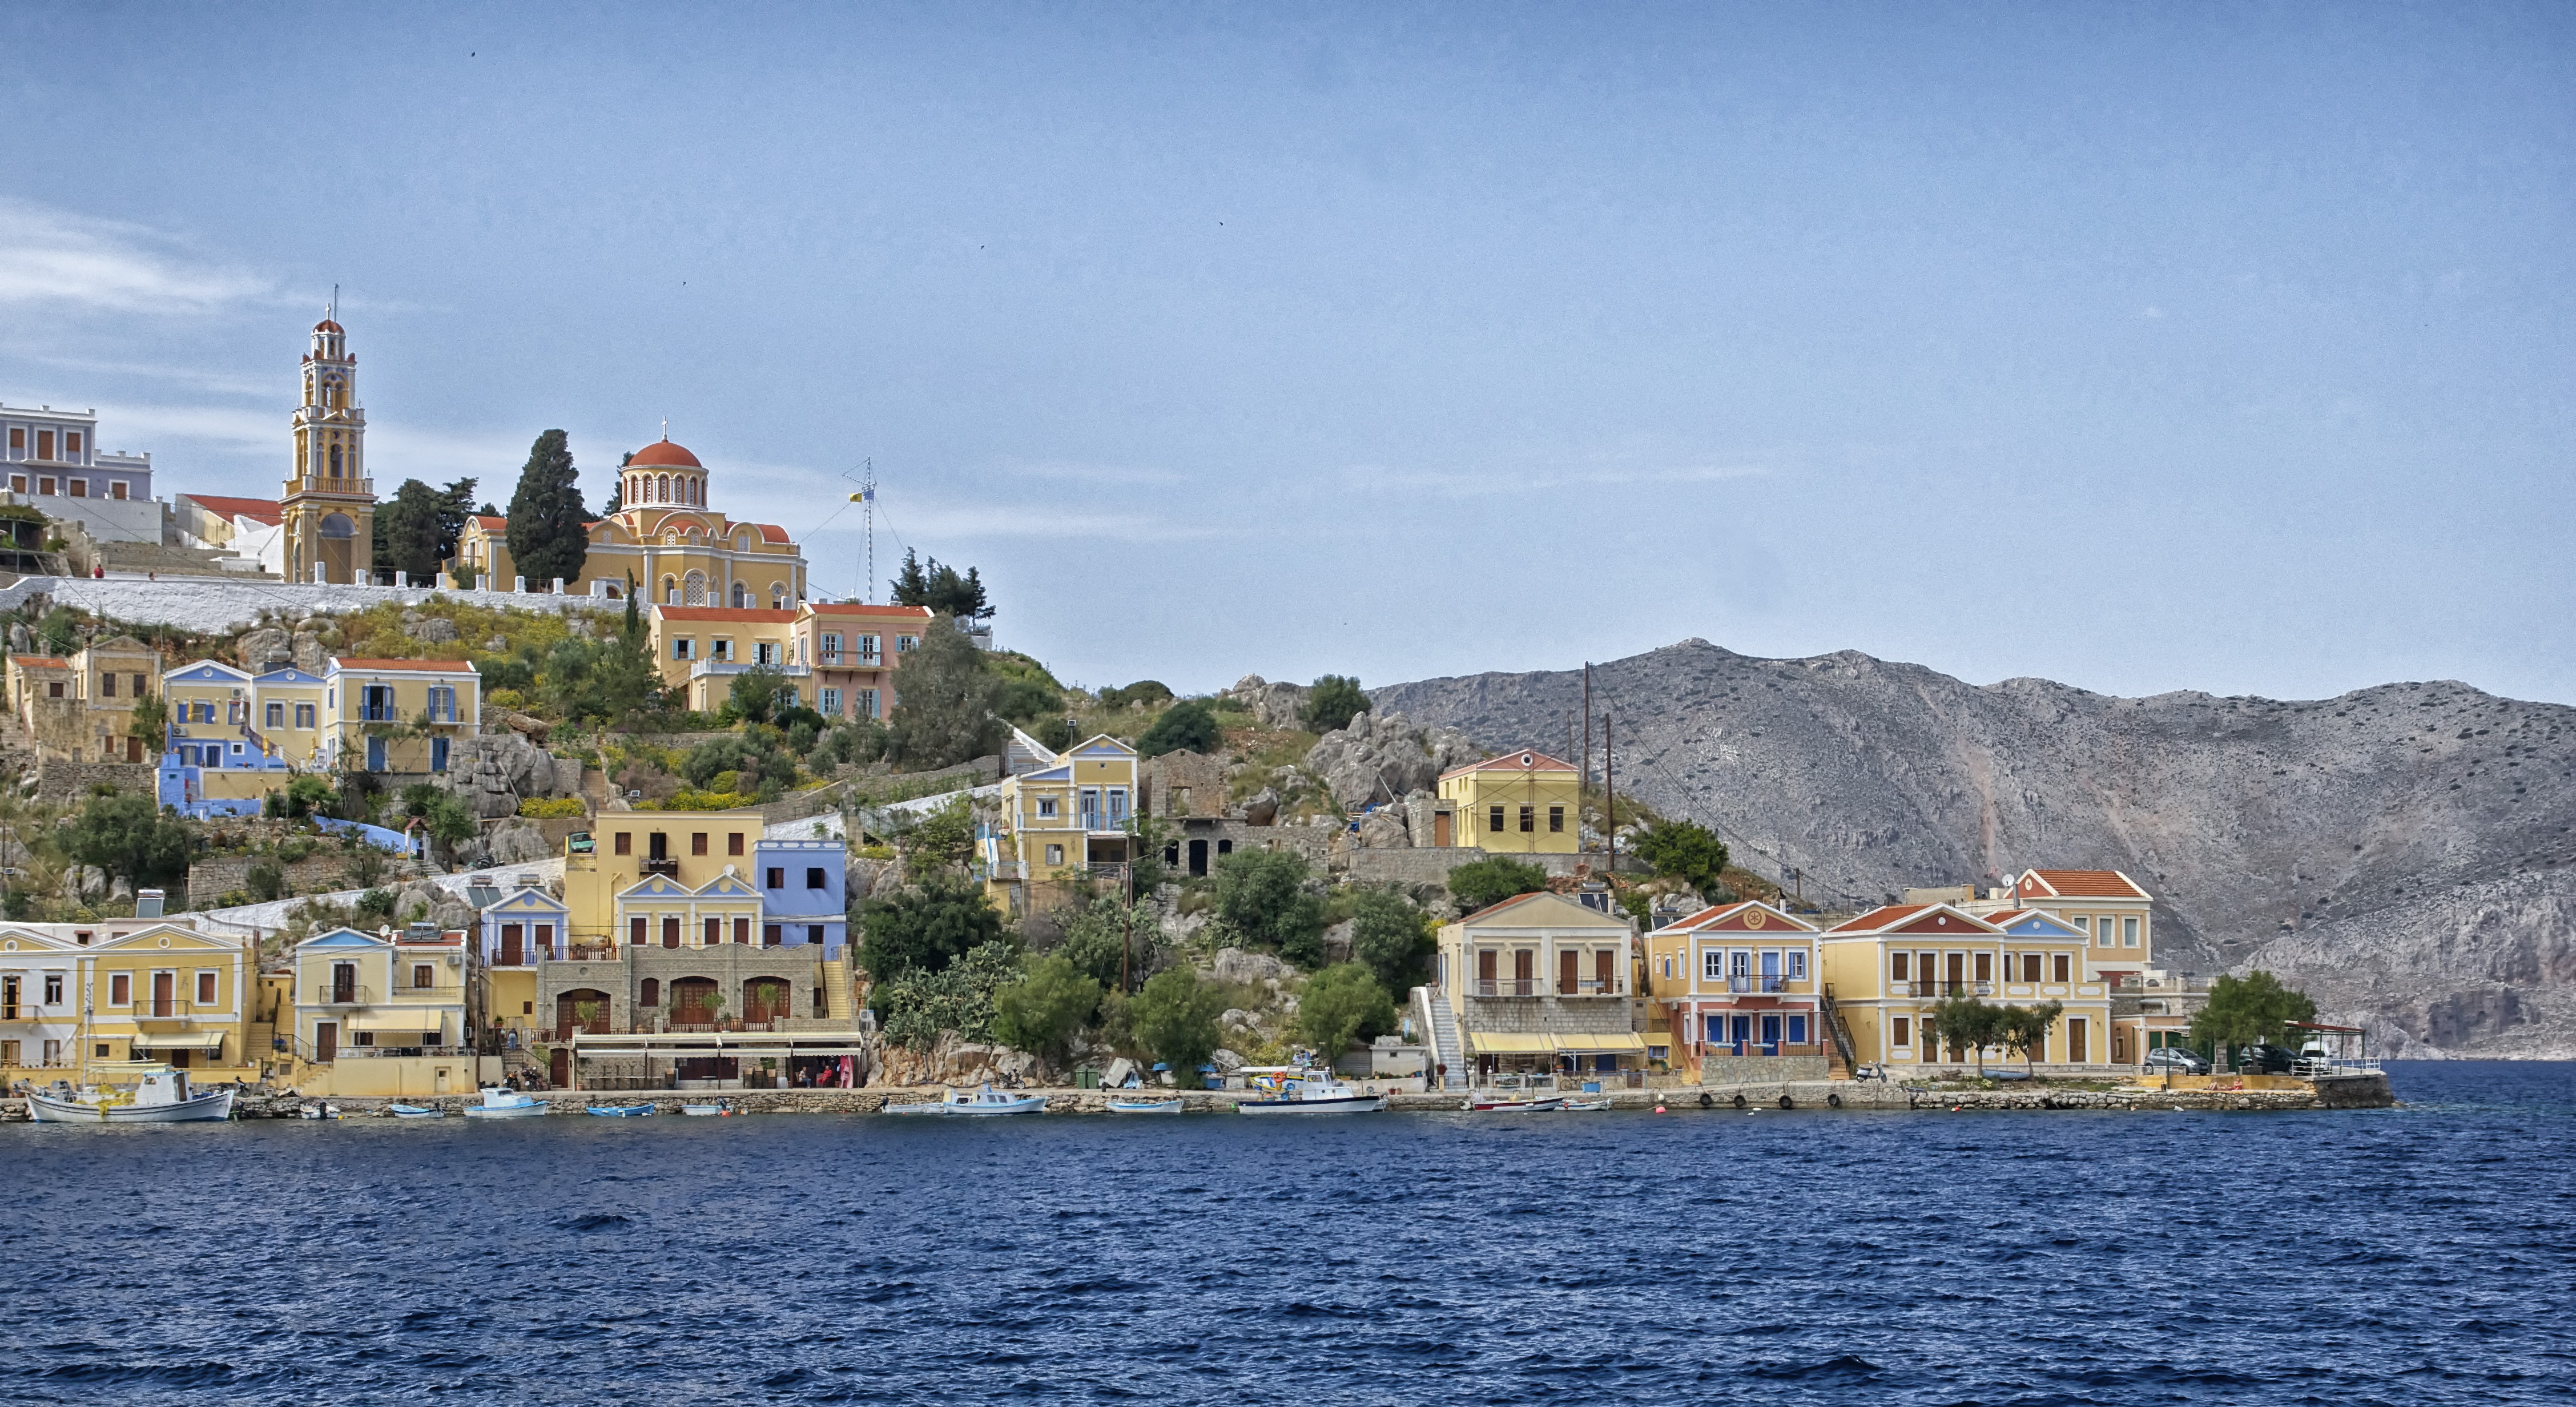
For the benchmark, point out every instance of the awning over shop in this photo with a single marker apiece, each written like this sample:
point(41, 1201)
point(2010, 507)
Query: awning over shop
point(179, 1040)
point(415, 1022)
point(1623, 1043)
point(1509, 1043)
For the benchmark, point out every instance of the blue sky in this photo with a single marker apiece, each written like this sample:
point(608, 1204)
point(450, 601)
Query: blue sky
point(2145, 348)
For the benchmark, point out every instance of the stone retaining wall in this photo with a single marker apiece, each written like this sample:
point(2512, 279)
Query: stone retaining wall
point(58, 780)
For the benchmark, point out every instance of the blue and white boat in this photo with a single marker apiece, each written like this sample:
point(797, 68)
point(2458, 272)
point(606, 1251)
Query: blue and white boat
point(987, 1100)
point(622, 1111)
point(1144, 1106)
point(1308, 1092)
point(499, 1103)
point(414, 1111)
point(717, 1110)
point(132, 1092)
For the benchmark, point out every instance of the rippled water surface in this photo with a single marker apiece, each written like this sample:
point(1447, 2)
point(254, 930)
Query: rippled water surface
point(2422, 1254)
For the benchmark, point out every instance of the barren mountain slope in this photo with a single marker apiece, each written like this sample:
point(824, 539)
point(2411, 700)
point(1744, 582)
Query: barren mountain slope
point(2404, 851)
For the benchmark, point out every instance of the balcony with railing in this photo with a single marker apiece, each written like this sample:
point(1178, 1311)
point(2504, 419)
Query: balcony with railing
point(1547, 987)
point(325, 483)
point(1941, 989)
point(343, 994)
point(150, 1008)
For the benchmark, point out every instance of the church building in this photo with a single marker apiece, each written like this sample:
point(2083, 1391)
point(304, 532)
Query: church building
point(327, 518)
point(665, 538)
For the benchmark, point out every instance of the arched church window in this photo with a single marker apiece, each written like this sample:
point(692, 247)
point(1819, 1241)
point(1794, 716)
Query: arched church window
point(741, 596)
point(335, 461)
point(699, 487)
point(693, 589)
point(778, 597)
point(663, 489)
point(670, 591)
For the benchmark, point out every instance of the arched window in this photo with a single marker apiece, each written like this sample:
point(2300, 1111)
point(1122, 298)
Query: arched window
point(741, 596)
point(651, 995)
point(699, 487)
point(693, 589)
point(662, 489)
point(670, 591)
point(335, 461)
point(778, 597)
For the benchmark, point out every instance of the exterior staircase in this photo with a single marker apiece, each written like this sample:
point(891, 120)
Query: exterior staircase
point(1442, 1025)
point(836, 991)
point(1839, 1059)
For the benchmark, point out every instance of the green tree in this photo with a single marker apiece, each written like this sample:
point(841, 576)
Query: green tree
point(1390, 935)
point(2250, 1010)
point(946, 714)
point(1026, 700)
point(447, 820)
point(1143, 693)
point(959, 997)
point(1687, 851)
point(940, 588)
point(549, 533)
point(1105, 941)
point(129, 837)
point(1336, 700)
point(755, 694)
point(1488, 882)
point(1175, 1018)
point(923, 928)
point(1041, 1012)
point(416, 529)
point(1964, 1022)
point(151, 721)
point(606, 681)
point(1341, 1004)
point(1262, 895)
point(1188, 724)
point(2023, 1029)
point(941, 841)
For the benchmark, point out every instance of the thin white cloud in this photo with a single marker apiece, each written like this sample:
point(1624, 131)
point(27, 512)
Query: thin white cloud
point(1518, 480)
point(198, 377)
point(53, 256)
point(139, 424)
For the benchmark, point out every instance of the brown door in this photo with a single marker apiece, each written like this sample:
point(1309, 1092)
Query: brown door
point(513, 945)
point(559, 1067)
point(133, 749)
point(1440, 829)
point(2079, 1046)
point(326, 1041)
point(1604, 968)
point(764, 999)
point(1958, 973)
point(163, 984)
point(1569, 972)
point(670, 933)
point(344, 983)
point(1525, 973)
point(1485, 970)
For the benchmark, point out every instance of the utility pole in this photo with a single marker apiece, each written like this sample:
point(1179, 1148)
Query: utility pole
point(1610, 800)
point(1583, 779)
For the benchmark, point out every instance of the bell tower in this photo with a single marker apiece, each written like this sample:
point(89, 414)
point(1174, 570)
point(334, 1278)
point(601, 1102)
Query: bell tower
point(328, 511)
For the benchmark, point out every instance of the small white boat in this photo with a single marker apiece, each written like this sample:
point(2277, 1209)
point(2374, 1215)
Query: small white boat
point(1312, 1093)
point(987, 1100)
point(317, 1109)
point(622, 1111)
point(1144, 1106)
point(1586, 1106)
point(707, 1111)
point(1517, 1106)
point(414, 1111)
point(500, 1103)
point(132, 1092)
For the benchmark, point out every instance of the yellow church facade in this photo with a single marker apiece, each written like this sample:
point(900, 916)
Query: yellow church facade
point(664, 538)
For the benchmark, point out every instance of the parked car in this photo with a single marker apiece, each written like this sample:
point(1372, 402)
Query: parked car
point(2177, 1060)
point(2264, 1060)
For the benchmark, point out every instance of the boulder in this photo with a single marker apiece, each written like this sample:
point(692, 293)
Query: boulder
point(447, 910)
point(1262, 808)
point(493, 772)
point(308, 654)
point(20, 640)
point(529, 726)
point(1235, 1018)
point(435, 629)
point(1238, 965)
point(1384, 830)
point(516, 841)
point(256, 648)
point(1225, 1059)
point(1337, 942)
point(1386, 757)
point(1274, 705)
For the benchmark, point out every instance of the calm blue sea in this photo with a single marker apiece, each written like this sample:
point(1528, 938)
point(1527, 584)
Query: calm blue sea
point(2418, 1255)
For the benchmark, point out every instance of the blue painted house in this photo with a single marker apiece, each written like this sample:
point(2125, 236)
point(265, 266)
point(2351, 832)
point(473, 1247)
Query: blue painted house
point(803, 892)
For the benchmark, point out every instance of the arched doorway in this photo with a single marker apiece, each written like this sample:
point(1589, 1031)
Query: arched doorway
point(584, 1010)
point(765, 999)
point(696, 1002)
point(338, 548)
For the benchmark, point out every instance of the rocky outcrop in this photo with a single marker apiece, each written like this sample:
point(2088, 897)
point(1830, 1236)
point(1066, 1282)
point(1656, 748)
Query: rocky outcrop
point(951, 1061)
point(1275, 705)
point(1383, 755)
point(2404, 851)
point(493, 772)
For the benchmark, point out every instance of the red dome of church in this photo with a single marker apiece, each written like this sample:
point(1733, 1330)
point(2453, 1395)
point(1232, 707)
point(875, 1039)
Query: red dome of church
point(662, 454)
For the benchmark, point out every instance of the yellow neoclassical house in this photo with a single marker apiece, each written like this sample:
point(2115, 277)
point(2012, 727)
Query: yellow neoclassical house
point(1520, 803)
point(1072, 811)
point(168, 992)
point(1885, 970)
point(388, 1014)
point(665, 879)
point(398, 715)
point(664, 537)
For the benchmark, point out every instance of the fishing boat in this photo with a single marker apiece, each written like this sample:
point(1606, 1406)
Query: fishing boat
point(1548, 1105)
point(317, 1109)
point(1144, 1106)
point(987, 1100)
point(1586, 1106)
point(414, 1111)
point(1308, 1092)
point(499, 1103)
point(132, 1092)
point(622, 1111)
point(717, 1110)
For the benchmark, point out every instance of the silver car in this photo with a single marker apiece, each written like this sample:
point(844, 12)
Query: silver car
point(2175, 1059)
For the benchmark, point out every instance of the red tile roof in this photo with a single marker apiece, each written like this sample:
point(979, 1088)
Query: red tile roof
point(2081, 884)
point(265, 510)
point(746, 614)
point(405, 666)
point(1885, 916)
point(1491, 909)
point(40, 662)
point(1733, 916)
point(1511, 762)
point(862, 608)
point(771, 532)
point(663, 454)
point(489, 523)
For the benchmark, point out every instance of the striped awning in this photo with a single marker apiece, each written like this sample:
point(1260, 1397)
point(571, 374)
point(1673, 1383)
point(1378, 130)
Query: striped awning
point(179, 1040)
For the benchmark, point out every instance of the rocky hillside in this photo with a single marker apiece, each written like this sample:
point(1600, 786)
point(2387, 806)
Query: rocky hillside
point(2404, 852)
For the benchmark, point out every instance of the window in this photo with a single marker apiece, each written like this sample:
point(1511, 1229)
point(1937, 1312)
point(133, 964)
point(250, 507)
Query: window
point(17, 482)
point(71, 444)
point(635, 933)
point(650, 994)
point(423, 975)
point(903, 643)
point(1055, 854)
point(1985, 967)
point(107, 686)
point(680, 649)
point(120, 989)
point(45, 447)
point(442, 703)
point(45, 484)
point(2030, 967)
point(54, 690)
point(1797, 1030)
point(867, 703)
point(1556, 820)
point(2060, 966)
point(1896, 967)
point(1712, 963)
point(139, 690)
point(742, 931)
point(116, 490)
point(775, 877)
point(831, 647)
point(274, 716)
point(1529, 819)
point(830, 707)
point(53, 989)
point(764, 652)
point(304, 715)
point(2128, 933)
point(721, 650)
point(1797, 964)
point(205, 989)
point(814, 878)
point(715, 932)
point(697, 842)
point(670, 930)
point(625, 843)
point(733, 843)
point(545, 938)
point(866, 645)
point(1046, 807)
point(80, 488)
point(1494, 820)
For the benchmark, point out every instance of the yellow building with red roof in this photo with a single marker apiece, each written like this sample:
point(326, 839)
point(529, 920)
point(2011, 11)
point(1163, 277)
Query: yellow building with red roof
point(665, 538)
point(1519, 803)
point(1886, 970)
point(1737, 979)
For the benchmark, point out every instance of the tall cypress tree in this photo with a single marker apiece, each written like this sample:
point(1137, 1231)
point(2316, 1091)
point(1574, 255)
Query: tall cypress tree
point(547, 539)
